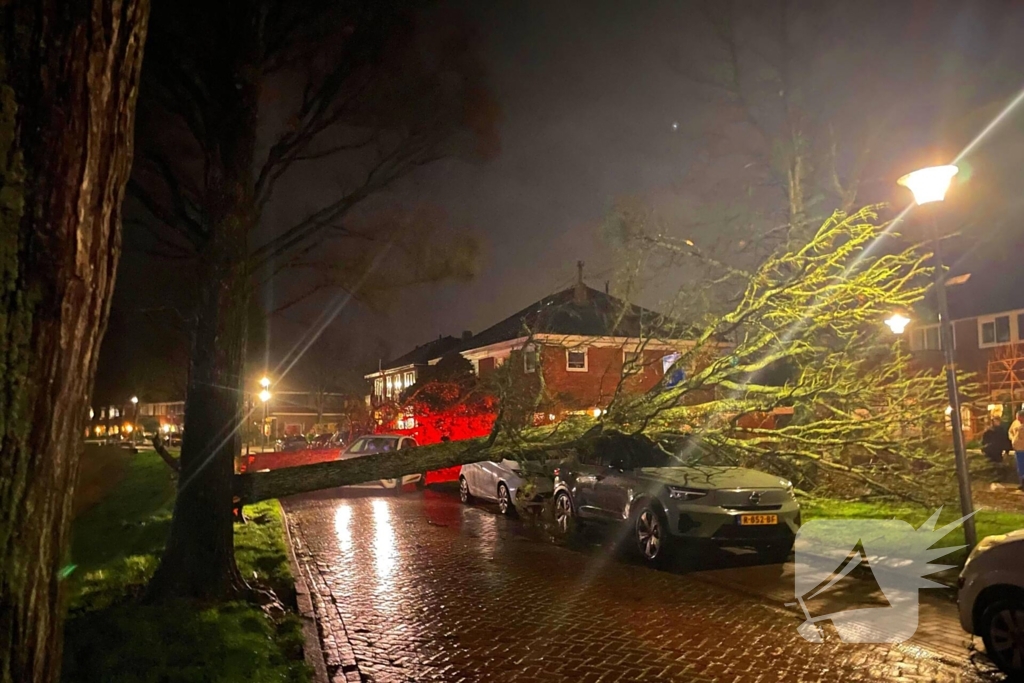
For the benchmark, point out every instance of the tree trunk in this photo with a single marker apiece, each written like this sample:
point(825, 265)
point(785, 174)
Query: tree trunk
point(68, 79)
point(199, 559)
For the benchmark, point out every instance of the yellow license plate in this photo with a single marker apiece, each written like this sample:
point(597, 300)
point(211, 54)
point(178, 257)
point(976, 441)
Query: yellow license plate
point(758, 520)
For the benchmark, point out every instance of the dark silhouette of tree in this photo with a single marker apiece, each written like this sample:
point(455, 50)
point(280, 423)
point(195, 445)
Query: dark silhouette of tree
point(68, 81)
point(236, 99)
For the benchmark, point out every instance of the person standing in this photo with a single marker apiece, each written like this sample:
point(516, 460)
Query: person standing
point(1017, 440)
point(995, 441)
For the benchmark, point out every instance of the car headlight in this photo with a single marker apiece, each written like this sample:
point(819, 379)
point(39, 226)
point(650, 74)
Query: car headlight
point(681, 493)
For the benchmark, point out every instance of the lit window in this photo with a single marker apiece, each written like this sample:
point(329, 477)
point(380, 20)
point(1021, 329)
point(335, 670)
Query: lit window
point(389, 385)
point(476, 366)
point(576, 360)
point(398, 384)
point(378, 387)
point(410, 379)
point(531, 359)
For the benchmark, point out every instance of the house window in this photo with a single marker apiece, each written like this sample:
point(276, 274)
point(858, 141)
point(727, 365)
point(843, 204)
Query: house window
point(926, 338)
point(378, 387)
point(576, 360)
point(410, 379)
point(389, 384)
point(531, 359)
point(995, 330)
point(476, 366)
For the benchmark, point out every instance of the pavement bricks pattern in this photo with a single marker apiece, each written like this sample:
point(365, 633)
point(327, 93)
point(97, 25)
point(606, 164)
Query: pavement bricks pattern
point(419, 588)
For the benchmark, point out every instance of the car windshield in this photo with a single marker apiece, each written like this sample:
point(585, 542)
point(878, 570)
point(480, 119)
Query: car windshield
point(375, 445)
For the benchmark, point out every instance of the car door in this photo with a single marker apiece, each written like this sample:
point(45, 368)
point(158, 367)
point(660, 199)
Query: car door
point(614, 488)
point(587, 473)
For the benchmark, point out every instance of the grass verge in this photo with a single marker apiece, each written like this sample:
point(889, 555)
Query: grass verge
point(988, 522)
point(111, 636)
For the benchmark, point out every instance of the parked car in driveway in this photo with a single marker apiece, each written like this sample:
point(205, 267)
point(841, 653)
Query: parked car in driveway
point(670, 499)
point(501, 482)
point(991, 599)
point(294, 442)
point(383, 443)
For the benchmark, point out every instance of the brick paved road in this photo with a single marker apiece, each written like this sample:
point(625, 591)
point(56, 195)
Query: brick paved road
point(419, 588)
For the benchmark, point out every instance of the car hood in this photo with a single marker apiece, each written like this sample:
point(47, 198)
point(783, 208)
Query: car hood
point(1014, 538)
point(714, 477)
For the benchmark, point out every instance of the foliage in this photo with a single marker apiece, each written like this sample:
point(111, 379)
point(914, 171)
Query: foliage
point(807, 336)
point(110, 635)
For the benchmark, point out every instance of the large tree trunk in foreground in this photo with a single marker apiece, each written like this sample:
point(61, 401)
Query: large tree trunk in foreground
point(68, 80)
point(199, 559)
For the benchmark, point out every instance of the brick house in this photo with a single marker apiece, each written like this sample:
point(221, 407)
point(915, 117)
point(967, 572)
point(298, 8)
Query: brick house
point(580, 340)
point(988, 336)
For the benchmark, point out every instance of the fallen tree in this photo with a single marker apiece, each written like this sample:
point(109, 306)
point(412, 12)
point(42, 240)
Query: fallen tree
point(806, 336)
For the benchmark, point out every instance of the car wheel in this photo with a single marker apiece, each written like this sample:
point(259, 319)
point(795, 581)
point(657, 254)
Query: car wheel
point(564, 513)
point(1001, 626)
point(650, 532)
point(464, 494)
point(505, 504)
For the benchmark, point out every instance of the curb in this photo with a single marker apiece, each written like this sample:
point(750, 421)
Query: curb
point(311, 651)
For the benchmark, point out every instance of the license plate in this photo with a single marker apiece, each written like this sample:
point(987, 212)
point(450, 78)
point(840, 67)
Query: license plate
point(758, 520)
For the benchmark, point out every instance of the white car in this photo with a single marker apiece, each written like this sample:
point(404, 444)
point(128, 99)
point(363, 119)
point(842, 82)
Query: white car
point(497, 482)
point(991, 599)
point(372, 444)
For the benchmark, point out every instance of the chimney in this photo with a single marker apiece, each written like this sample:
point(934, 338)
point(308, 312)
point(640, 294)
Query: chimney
point(466, 334)
point(579, 296)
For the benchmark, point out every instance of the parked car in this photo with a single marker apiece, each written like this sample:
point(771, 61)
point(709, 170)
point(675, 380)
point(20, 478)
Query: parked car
point(383, 443)
point(327, 440)
point(293, 442)
point(671, 499)
point(991, 599)
point(501, 482)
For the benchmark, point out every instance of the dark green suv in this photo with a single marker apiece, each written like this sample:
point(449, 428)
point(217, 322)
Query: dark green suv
point(671, 498)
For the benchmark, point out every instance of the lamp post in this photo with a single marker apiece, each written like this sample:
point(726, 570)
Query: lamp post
point(930, 185)
point(265, 397)
point(135, 418)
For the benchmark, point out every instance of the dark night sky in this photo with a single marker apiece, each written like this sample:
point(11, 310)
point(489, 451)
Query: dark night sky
point(588, 95)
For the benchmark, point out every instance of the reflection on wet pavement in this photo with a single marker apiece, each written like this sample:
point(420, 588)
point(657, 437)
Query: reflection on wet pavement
point(416, 587)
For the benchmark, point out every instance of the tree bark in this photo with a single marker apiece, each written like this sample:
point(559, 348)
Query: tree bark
point(68, 79)
point(253, 487)
point(199, 559)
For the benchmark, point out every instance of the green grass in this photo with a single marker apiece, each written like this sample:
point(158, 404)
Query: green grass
point(111, 636)
point(988, 522)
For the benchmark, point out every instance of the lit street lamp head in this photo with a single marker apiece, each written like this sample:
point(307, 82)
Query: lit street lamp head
point(929, 184)
point(264, 395)
point(265, 382)
point(135, 400)
point(897, 323)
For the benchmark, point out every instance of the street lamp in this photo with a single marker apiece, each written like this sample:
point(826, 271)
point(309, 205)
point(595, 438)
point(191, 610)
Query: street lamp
point(930, 185)
point(265, 397)
point(897, 323)
point(135, 418)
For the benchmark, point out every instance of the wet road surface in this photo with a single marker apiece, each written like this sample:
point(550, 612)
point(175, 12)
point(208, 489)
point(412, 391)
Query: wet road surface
point(417, 587)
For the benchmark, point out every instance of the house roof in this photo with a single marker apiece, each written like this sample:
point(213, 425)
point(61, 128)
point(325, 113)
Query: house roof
point(424, 353)
point(597, 314)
